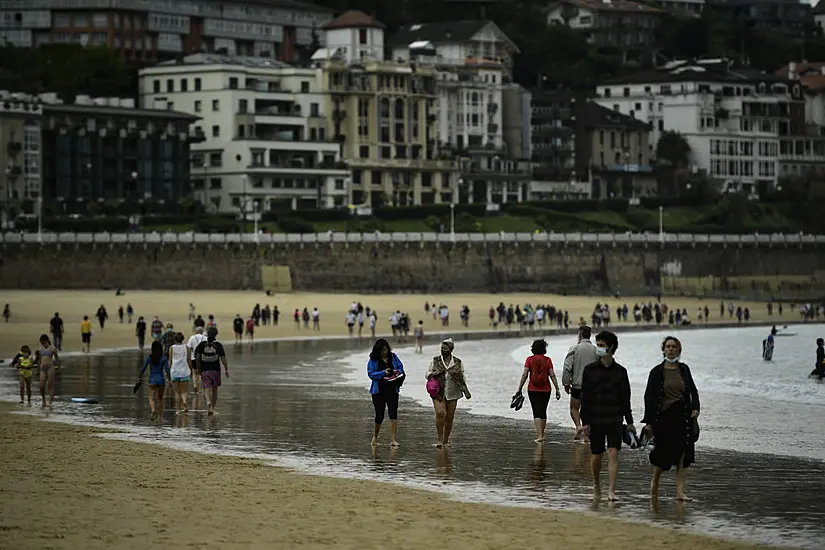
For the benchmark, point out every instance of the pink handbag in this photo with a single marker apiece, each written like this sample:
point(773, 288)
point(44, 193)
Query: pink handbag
point(433, 387)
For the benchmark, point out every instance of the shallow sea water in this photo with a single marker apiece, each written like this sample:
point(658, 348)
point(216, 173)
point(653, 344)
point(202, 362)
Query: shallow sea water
point(304, 404)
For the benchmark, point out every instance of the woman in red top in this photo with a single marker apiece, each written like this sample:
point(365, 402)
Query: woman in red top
point(539, 368)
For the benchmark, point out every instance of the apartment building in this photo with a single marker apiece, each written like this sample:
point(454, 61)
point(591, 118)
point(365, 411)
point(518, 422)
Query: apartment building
point(632, 28)
point(20, 148)
point(618, 149)
point(265, 137)
point(473, 62)
point(553, 125)
point(788, 17)
point(733, 117)
point(149, 30)
point(805, 152)
point(819, 14)
point(383, 112)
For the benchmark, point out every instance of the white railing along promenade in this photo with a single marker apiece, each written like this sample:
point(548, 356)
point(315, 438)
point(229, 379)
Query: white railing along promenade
point(600, 239)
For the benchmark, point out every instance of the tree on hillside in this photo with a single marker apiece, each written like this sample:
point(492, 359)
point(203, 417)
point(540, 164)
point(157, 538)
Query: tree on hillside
point(672, 161)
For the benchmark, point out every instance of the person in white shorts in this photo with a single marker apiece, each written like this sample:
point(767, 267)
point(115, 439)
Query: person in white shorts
point(192, 345)
point(180, 372)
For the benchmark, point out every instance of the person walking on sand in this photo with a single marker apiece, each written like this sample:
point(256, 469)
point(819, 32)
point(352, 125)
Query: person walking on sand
point(446, 385)
point(605, 400)
point(159, 374)
point(6, 313)
point(539, 369)
point(373, 319)
point(48, 360)
point(102, 315)
point(671, 409)
point(24, 362)
point(578, 357)
point(418, 334)
point(157, 328)
point(237, 328)
point(120, 314)
point(130, 311)
point(386, 371)
point(192, 345)
point(56, 328)
point(250, 329)
point(140, 332)
point(180, 372)
point(350, 320)
point(86, 334)
point(210, 356)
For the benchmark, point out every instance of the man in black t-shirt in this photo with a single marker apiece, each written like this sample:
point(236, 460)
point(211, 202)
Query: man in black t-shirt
point(210, 355)
point(56, 328)
point(237, 326)
point(140, 331)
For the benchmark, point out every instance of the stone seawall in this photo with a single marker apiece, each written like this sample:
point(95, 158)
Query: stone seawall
point(392, 267)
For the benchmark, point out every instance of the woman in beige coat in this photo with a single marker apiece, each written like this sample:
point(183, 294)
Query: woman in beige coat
point(448, 371)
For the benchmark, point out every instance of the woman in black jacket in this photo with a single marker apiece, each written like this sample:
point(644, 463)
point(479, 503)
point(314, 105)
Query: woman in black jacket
point(671, 408)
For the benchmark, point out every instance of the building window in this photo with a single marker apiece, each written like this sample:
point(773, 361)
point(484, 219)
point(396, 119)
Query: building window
point(156, 86)
point(216, 105)
point(170, 86)
point(356, 177)
point(216, 159)
point(364, 152)
point(233, 83)
point(241, 129)
point(198, 106)
point(626, 92)
point(243, 106)
point(376, 178)
point(216, 131)
point(170, 106)
point(215, 183)
point(362, 36)
point(339, 184)
point(184, 85)
point(304, 87)
point(197, 84)
point(313, 109)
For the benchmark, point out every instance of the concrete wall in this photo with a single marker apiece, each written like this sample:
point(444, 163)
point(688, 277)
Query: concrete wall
point(392, 267)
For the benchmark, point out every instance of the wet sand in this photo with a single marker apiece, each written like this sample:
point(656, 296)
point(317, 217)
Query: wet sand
point(31, 311)
point(120, 494)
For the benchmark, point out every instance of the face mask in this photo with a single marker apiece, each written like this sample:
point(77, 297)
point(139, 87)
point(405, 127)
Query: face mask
point(601, 352)
point(674, 360)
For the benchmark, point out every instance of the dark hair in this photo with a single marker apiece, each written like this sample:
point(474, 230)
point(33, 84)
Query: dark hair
point(85, 317)
point(380, 344)
point(667, 339)
point(610, 339)
point(25, 349)
point(585, 332)
point(157, 352)
point(179, 337)
point(45, 338)
point(539, 347)
point(820, 342)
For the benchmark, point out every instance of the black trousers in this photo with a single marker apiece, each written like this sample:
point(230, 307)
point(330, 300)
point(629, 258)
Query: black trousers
point(385, 399)
point(539, 401)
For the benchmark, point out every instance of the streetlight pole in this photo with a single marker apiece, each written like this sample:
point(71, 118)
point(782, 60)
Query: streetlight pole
point(661, 224)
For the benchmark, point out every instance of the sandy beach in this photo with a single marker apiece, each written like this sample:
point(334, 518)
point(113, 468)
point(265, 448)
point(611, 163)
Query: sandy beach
point(118, 494)
point(31, 311)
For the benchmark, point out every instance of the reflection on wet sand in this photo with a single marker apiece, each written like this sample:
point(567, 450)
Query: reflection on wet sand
point(443, 462)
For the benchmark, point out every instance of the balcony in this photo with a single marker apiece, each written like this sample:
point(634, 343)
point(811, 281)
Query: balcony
point(14, 147)
point(629, 168)
point(198, 136)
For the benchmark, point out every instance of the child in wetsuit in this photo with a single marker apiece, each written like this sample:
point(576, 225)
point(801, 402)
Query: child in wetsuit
point(24, 362)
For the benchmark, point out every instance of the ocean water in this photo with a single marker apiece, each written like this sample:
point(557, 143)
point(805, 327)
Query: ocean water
point(304, 405)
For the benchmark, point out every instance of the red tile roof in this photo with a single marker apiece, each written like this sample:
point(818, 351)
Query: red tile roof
point(352, 20)
point(809, 74)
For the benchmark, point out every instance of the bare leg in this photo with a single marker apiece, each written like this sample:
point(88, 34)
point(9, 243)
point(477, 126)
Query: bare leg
point(440, 416)
point(575, 405)
point(681, 477)
point(596, 468)
point(29, 390)
point(43, 378)
point(541, 425)
point(213, 400)
point(51, 373)
point(376, 430)
point(152, 396)
point(184, 395)
point(612, 473)
point(394, 433)
point(654, 483)
point(22, 387)
point(448, 421)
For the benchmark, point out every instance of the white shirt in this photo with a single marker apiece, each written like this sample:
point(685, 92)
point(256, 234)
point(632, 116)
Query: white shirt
point(180, 367)
point(350, 319)
point(194, 340)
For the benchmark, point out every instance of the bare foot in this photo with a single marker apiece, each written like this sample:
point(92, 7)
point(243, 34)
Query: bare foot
point(395, 444)
point(373, 442)
point(597, 492)
point(439, 445)
point(611, 497)
point(683, 498)
point(154, 416)
point(578, 436)
point(538, 440)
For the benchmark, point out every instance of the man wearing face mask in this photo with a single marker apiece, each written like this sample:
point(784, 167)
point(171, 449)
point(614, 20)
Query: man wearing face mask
point(605, 401)
point(578, 357)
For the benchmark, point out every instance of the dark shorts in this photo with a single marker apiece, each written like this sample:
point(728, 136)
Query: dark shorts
point(576, 393)
point(211, 379)
point(86, 337)
point(599, 433)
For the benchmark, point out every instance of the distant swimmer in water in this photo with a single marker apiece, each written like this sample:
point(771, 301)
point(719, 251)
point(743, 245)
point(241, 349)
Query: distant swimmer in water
point(819, 366)
point(768, 345)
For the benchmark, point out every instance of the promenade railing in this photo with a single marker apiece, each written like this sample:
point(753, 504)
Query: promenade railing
point(597, 239)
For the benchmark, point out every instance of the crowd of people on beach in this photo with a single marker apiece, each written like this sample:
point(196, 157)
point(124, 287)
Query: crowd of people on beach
point(599, 390)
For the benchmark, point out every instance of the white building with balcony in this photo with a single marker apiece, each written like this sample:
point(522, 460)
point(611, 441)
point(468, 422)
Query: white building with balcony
point(732, 117)
point(265, 136)
point(474, 60)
